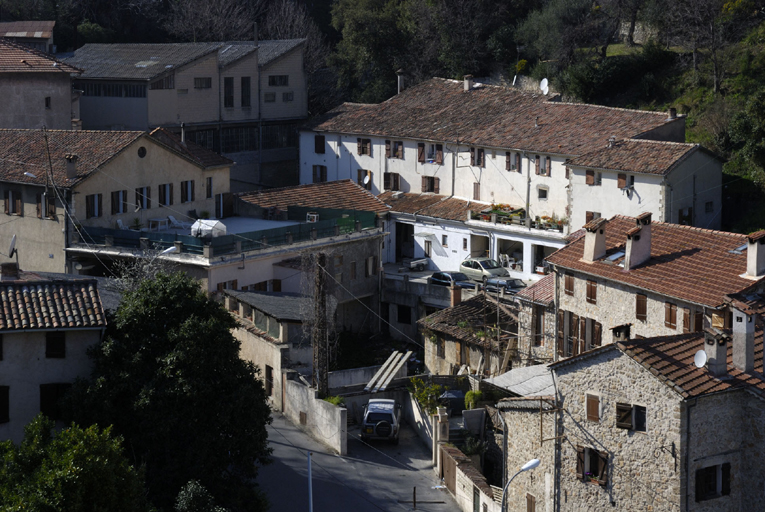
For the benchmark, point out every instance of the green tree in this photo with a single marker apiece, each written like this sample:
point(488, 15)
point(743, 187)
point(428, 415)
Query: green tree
point(170, 380)
point(74, 470)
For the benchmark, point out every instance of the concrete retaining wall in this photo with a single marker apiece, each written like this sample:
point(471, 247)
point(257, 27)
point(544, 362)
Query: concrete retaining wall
point(323, 421)
point(353, 376)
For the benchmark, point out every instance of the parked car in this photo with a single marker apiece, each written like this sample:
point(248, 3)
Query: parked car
point(510, 286)
point(457, 279)
point(481, 269)
point(382, 420)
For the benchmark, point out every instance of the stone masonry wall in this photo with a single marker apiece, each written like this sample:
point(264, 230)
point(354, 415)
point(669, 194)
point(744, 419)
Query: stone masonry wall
point(642, 472)
point(615, 305)
point(523, 444)
point(528, 354)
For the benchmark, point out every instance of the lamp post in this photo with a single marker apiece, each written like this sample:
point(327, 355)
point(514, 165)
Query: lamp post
point(526, 467)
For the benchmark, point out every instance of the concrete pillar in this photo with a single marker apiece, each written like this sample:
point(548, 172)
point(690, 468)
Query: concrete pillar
point(179, 247)
point(207, 251)
point(143, 243)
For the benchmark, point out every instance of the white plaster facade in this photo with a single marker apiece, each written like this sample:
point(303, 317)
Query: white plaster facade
point(693, 183)
point(24, 367)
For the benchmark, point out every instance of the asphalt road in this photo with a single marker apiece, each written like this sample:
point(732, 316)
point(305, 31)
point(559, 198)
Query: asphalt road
point(371, 477)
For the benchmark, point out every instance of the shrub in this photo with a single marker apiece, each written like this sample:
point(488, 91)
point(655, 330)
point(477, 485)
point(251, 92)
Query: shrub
point(472, 398)
point(426, 394)
point(336, 400)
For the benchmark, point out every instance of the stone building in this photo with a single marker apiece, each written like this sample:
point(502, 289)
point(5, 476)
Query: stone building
point(636, 425)
point(36, 89)
point(628, 277)
point(476, 336)
point(536, 322)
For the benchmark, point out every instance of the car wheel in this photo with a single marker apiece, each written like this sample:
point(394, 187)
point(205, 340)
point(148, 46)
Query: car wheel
point(485, 278)
point(420, 267)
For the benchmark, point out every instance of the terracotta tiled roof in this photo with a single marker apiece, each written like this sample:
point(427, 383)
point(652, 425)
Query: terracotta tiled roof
point(638, 155)
point(27, 29)
point(430, 205)
point(471, 313)
point(490, 116)
point(17, 58)
point(25, 151)
point(541, 292)
point(340, 195)
point(50, 304)
point(202, 156)
point(670, 358)
point(691, 264)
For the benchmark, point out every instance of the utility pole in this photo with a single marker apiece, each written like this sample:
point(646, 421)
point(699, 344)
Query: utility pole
point(320, 348)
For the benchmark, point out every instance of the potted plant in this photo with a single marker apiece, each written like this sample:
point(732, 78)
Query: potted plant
point(136, 225)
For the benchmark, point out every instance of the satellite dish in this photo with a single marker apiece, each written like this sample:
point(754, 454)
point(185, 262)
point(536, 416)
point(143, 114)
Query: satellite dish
point(366, 179)
point(700, 359)
point(543, 84)
point(12, 249)
point(545, 90)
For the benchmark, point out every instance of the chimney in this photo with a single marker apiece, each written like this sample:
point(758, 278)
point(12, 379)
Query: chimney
point(400, 76)
point(638, 249)
point(716, 348)
point(594, 240)
point(9, 271)
point(672, 114)
point(183, 133)
point(455, 295)
point(468, 82)
point(755, 254)
point(743, 341)
point(71, 166)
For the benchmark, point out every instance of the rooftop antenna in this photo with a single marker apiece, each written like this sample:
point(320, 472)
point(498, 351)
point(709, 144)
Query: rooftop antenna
point(544, 86)
point(700, 359)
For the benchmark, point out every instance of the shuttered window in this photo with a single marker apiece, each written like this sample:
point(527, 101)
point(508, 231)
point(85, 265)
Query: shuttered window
point(670, 315)
point(421, 152)
point(531, 503)
point(592, 292)
point(439, 154)
point(548, 166)
point(698, 321)
point(165, 193)
point(94, 206)
point(624, 416)
point(472, 156)
point(391, 181)
point(47, 210)
point(641, 307)
point(480, 157)
point(187, 191)
point(593, 408)
point(119, 201)
point(430, 184)
point(319, 144)
point(622, 180)
point(561, 340)
point(537, 162)
point(597, 334)
point(319, 173)
point(476, 191)
point(508, 161)
point(686, 320)
point(518, 162)
point(364, 146)
point(387, 149)
point(589, 177)
point(569, 284)
point(143, 197)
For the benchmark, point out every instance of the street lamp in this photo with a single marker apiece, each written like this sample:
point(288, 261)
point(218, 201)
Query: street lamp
point(526, 467)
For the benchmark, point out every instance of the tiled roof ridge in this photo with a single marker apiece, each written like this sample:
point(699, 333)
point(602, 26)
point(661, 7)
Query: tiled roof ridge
point(307, 185)
point(683, 226)
point(605, 107)
point(40, 54)
point(74, 132)
point(660, 142)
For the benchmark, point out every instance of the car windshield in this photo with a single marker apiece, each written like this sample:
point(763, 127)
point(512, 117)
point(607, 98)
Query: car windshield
point(489, 264)
point(459, 276)
point(516, 283)
point(376, 417)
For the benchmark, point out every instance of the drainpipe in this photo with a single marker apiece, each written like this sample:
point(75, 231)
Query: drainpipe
point(504, 448)
point(688, 450)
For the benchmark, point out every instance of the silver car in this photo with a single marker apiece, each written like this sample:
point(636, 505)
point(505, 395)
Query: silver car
point(480, 269)
point(382, 420)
